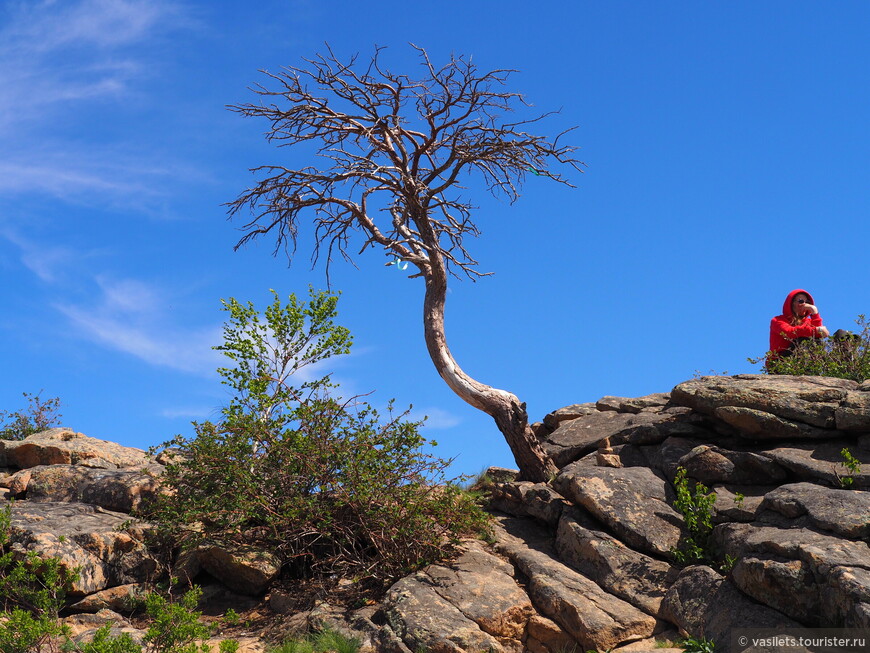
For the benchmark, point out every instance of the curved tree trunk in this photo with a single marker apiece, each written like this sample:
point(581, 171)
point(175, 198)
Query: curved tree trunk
point(505, 408)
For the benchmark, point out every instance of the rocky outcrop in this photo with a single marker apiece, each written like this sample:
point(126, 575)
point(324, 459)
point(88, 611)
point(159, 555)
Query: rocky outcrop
point(84, 537)
point(62, 446)
point(587, 561)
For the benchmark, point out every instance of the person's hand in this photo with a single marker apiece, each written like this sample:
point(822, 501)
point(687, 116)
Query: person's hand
point(822, 332)
point(808, 309)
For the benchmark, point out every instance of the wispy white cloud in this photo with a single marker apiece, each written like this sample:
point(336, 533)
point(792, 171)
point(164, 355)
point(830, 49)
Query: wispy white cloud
point(130, 316)
point(52, 53)
point(57, 59)
point(43, 260)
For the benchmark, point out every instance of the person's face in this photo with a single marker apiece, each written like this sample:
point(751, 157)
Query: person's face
point(798, 303)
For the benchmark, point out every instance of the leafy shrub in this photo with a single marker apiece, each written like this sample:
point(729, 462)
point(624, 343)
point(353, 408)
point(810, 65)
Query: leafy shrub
point(175, 625)
point(39, 415)
point(696, 507)
point(326, 483)
point(852, 466)
point(847, 358)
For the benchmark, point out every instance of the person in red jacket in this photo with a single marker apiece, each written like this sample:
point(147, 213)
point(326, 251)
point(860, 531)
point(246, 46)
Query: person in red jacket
point(800, 321)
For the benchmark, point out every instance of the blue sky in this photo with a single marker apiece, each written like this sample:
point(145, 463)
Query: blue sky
point(728, 162)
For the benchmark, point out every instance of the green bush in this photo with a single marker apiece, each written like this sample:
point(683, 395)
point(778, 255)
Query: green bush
point(39, 415)
point(327, 483)
point(844, 358)
point(696, 507)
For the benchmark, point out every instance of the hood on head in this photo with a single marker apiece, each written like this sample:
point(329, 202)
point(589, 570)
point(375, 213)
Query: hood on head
point(786, 307)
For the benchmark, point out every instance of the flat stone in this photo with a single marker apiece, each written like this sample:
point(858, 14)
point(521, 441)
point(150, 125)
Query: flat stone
point(593, 617)
point(118, 490)
point(633, 404)
point(844, 512)
point(808, 399)
point(711, 464)
point(483, 588)
point(632, 502)
point(577, 437)
point(121, 598)
point(706, 604)
point(526, 499)
point(756, 424)
point(552, 420)
point(624, 572)
point(820, 462)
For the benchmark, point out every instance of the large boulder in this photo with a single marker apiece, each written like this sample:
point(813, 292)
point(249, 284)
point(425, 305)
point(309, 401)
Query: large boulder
point(424, 620)
point(817, 578)
point(247, 570)
point(483, 587)
point(633, 502)
point(811, 400)
point(86, 537)
point(844, 512)
point(62, 446)
point(706, 604)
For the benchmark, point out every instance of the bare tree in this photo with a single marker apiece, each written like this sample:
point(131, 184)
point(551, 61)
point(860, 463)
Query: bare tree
point(392, 153)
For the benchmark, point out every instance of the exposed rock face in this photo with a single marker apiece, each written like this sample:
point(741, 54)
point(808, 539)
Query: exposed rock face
point(708, 605)
point(86, 537)
point(586, 561)
point(66, 447)
point(119, 490)
point(592, 616)
point(844, 512)
point(633, 502)
point(815, 578)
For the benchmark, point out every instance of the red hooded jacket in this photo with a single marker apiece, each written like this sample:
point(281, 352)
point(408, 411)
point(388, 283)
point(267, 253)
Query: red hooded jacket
point(783, 332)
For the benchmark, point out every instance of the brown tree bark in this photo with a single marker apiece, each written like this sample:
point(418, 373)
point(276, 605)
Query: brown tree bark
point(505, 408)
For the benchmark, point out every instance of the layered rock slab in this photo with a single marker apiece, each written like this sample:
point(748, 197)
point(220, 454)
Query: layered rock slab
point(844, 512)
point(810, 576)
point(593, 617)
point(821, 462)
point(706, 604)
point(61, 446)
point(637, 578)
point(576, 437)
point(633, 502)
point(86, 537)
point(809, 399)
